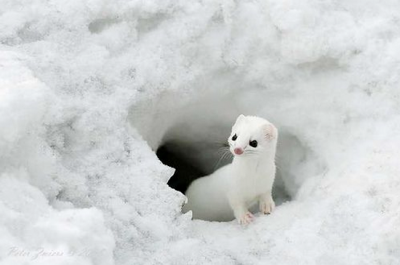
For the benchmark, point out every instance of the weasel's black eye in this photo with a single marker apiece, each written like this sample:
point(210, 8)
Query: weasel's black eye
point(234, 137)
point(253, 143)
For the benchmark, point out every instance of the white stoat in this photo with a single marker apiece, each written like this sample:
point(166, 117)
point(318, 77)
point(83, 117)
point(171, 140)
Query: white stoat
point(230, 191)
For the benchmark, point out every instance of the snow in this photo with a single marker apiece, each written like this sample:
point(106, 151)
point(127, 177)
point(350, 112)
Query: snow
point(90, 89)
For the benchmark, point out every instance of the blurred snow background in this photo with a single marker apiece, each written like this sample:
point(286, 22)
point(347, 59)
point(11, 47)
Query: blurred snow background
point(89, 89)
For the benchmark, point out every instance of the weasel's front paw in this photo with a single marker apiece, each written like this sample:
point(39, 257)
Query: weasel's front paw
point(246, 218)
point(267, 205)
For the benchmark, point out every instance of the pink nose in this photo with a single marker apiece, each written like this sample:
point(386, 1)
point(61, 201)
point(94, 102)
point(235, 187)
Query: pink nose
point(238, 151)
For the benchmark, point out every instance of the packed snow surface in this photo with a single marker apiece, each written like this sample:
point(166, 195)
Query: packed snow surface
point(90, 89)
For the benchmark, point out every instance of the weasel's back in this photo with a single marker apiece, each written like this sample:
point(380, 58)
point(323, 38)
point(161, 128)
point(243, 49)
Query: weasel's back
point(207, 197)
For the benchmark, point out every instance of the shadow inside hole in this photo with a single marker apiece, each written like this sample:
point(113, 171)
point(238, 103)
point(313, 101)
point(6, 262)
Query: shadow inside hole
point(185, 171)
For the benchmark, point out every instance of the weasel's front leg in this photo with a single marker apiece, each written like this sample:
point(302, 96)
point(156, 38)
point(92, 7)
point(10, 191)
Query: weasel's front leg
point(241, 213)
point(267, 204)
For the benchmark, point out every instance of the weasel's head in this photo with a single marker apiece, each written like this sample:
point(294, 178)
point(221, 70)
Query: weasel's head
point(252, 136)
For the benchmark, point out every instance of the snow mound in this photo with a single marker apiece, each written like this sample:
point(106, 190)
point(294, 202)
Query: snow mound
point(90, 89)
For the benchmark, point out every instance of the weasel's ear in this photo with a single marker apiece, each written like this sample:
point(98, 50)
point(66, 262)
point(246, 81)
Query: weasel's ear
point(270, 131)
point(240, 118)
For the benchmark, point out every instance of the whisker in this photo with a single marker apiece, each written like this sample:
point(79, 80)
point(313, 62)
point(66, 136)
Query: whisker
point(221, 150)
point(251, 152)
point(221, 158)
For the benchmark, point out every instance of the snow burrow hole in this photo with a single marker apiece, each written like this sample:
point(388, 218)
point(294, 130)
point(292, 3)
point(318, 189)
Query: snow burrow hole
point(190, 134)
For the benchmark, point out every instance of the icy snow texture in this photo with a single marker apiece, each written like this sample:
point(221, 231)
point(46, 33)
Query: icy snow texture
point(89, 88)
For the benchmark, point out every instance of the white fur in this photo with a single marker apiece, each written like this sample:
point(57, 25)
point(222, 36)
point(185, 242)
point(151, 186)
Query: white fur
point(230, 191)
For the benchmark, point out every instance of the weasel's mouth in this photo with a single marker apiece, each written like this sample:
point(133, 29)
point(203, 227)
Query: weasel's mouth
point(238, 151)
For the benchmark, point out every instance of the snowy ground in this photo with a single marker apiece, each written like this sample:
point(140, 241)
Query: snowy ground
point(89, 90)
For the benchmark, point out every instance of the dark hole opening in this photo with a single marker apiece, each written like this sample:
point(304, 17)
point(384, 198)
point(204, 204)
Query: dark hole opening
point(185, 170)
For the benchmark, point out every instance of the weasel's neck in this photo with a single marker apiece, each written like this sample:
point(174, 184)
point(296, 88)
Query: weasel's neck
point(252, 161)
